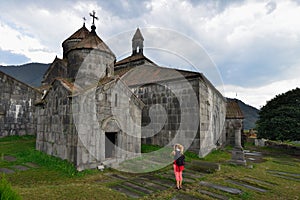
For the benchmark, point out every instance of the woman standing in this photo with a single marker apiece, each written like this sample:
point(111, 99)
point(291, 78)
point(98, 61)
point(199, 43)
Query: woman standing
point(178, 164)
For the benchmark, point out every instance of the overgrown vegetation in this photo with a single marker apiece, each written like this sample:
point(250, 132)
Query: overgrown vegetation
point(279, 118)
point(6, 191)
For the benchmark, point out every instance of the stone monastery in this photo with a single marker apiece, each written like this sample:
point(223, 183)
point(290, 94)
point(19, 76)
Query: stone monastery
point(92, 109)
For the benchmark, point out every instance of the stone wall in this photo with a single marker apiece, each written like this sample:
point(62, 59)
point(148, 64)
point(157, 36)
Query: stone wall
point(164, 118)
point(230, 130)
point(74, 127)
point(212, 117)
point(17, 112)
point(174, 116)
point(56, 133)
point(110, 109)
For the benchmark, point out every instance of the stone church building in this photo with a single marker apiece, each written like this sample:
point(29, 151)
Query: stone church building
point(93, 109)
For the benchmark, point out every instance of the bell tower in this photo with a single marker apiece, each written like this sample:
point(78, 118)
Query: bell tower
point(137, 43)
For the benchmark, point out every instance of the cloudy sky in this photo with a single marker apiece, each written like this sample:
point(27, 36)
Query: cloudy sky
point(255, 45)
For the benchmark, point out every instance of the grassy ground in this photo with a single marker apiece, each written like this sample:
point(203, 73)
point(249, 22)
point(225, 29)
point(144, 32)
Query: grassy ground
point(57, 179)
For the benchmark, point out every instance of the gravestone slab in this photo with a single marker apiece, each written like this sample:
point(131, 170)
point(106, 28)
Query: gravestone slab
point(259, 181)
point(253, 153)
point(117, 176)
point(193, 174)
point(32, 165)
point(126, 191)
point(246, 185)
point(202, 166)
point(21, 167)
point(165, 182)
point(10, 158)
point(137, 188)
point(149, 184)
point(284, 173)
point(185, 197)
point(221, 187)
point(214, 195)
point(6, 171)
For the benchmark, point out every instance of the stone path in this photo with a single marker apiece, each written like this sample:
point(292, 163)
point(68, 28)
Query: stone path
point(15, 168)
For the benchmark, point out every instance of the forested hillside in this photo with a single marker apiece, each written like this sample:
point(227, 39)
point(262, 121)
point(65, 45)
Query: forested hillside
point(30, 73)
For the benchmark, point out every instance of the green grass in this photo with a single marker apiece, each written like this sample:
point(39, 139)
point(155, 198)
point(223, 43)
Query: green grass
point(58, 179)
point(6, 191)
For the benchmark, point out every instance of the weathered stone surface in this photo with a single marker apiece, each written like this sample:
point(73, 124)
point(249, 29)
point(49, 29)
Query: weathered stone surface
point(285, 175)
point(247, 185)
point(160, 181)
point(32, 165)
point(214, 195)
point(9, 158)
point(20, 167)
point(149, 184)
point(119, 176)
point(193, 174)
point(185, 197)
point(259, 181)
point(221, 187)
point(17, 112)
point(202, 166)
point(126, 191)
point(137, 187)
point(6, 171)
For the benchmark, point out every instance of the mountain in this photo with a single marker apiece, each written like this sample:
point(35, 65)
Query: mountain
point(31, 73)
point(250, 113)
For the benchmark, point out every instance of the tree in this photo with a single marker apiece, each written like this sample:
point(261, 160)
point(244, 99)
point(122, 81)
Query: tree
point(279, 119)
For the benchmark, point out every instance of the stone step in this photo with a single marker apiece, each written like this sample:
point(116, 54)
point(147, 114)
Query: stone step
point(247, 185)
point(214, 195)
point(221, 188)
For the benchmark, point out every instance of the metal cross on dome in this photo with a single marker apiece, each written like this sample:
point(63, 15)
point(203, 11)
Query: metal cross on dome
point(94, 17)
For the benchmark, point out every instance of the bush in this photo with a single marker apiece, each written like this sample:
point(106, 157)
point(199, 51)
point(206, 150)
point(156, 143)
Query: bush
point(6, 191)
point(279, 118)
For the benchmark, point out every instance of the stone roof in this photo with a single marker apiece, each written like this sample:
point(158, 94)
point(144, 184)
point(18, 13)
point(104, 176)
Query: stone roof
point(63, 63)
point(147, 74)
point(138, 35)
point(133, 58)
point(233, 110)
point(79, 34)
point(93, 41)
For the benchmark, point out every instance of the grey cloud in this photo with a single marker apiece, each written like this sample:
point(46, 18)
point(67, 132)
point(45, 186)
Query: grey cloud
point(270, 7)
point(125, 9)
